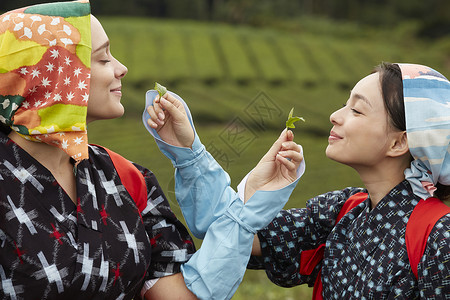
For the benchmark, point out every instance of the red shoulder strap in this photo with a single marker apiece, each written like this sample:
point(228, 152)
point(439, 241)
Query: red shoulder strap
point(310, 258)
point(352, 202)
point(131, 178)
point(420, 223)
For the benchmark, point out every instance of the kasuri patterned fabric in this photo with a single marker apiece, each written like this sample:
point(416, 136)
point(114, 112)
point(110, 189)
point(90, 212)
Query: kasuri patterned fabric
point(100, 248)
point(365, 254)
point(45, 57)
point(426, 94)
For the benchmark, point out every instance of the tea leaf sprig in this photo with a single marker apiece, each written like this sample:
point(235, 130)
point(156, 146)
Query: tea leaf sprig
point(162, 90)
point(291, 120)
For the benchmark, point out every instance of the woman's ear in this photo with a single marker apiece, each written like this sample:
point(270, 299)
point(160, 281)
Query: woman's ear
point(399, 145)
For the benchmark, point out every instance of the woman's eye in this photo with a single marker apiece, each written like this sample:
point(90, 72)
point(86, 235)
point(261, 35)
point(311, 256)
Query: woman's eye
point(105, 61)
point(352, 109)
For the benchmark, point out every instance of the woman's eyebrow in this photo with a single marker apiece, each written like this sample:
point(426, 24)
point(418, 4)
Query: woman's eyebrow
point(105, 45)
point(360, 97)
point(363, 98)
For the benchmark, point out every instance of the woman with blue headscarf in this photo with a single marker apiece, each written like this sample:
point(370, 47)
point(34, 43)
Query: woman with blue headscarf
point(394, 130)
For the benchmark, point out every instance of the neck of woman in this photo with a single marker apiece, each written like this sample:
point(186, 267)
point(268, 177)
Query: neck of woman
point(52, 158)
point(379, 180)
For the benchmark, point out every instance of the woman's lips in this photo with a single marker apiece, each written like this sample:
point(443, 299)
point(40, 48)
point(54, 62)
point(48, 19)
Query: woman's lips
point(334, 136)
point(117, 91)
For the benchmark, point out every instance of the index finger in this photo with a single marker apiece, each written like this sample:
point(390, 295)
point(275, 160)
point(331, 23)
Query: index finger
point(177, 103)
point(157, 108)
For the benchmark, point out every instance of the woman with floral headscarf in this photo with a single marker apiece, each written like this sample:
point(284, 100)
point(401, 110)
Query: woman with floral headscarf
point(394, 130)
point(70, 227)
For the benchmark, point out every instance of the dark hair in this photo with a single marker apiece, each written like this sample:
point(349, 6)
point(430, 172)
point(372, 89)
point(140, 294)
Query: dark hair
point(442, 192)
point(392, 92)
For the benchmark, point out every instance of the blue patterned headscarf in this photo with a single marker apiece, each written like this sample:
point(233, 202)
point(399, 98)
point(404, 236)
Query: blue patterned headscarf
point(427, 108)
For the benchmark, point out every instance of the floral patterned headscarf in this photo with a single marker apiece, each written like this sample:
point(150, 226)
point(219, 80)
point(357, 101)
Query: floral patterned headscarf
point(45, 58)
point(427, 108)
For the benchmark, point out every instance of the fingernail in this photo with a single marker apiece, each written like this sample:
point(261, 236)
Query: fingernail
point(161, 116)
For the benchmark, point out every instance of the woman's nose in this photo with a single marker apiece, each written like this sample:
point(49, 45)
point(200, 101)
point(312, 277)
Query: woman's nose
point(121, 70)
point(336, 117)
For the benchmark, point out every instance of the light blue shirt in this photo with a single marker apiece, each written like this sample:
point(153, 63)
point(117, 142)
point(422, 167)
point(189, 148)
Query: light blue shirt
point(215, 213)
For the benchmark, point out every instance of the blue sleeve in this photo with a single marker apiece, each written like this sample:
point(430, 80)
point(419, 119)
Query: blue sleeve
point(200, 182)
point(202, 188)
point(214, 212)
point(217, 268)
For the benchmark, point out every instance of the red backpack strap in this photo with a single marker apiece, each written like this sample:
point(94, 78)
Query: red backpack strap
point(310, 258)
point(351, 203)
point(131, 178)
point(420, 223)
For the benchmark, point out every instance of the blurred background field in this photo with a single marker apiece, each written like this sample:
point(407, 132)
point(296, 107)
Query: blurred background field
point(241, 65)
point(240, 83)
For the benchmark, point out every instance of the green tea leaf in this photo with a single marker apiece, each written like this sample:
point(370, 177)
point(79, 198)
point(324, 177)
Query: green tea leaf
point(291, 120)
point(161, 89)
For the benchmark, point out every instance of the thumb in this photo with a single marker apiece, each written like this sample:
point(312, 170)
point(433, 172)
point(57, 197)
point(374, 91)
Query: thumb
point(277, 145)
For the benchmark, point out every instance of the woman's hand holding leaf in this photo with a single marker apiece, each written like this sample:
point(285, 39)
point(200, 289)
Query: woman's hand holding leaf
point(277, 168)
point(168, 117)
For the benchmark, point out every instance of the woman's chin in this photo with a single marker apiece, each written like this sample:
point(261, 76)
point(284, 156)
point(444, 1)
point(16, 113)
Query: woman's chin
point(331, 154)
point(111, 115)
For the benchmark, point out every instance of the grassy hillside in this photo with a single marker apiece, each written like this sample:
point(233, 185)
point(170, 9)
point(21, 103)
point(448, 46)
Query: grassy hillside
point(240, 84)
